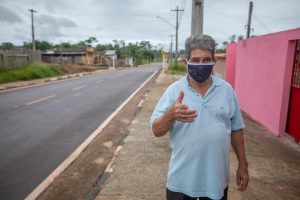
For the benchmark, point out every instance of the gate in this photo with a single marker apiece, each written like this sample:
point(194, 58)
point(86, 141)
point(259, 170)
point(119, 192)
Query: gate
point(293, 121)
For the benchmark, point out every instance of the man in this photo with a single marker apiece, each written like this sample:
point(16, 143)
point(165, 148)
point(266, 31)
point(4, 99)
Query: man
point(202, 116)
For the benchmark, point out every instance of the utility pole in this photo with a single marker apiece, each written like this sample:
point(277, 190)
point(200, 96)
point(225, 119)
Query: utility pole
point(61, 56)
point(177, 26)
point(171, 49)
point(32, 28)
point(248, 26)
point(197, 17)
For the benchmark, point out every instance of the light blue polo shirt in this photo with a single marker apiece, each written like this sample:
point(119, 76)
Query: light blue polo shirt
point(199, 165)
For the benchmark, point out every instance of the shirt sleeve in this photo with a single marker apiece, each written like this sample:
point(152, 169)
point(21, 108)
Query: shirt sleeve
point(164, 103)
point(237, 121)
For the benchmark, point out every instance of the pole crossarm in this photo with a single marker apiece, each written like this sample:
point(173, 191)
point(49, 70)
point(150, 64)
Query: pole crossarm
point(177, 26)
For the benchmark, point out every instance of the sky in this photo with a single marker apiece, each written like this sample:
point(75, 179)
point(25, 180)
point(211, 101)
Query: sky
point(136, 20)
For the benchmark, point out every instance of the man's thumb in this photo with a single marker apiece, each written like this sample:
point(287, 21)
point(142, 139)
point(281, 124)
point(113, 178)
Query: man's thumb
point(180, 97)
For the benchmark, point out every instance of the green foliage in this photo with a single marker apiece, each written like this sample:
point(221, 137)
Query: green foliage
point(143, 62)
point(91, 40)
point(6, 45)
point(141, 52)
point(147, 54)
point(177, 68)
point(43, 45)
point(157, 59)
point(30, 71)
point(221, 51)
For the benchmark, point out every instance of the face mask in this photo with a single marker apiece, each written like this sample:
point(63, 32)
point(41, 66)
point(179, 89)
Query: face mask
point(199, 72)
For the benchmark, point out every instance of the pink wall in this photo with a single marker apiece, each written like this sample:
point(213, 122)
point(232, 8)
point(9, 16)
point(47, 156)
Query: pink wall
point(263, 77)
point(230, 63)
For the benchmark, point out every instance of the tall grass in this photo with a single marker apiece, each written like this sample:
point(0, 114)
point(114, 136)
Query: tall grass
point(30, 71)
point(177, 68)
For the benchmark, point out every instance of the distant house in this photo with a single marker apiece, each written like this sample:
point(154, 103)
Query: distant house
point(89, 55)
point(220, 66)
point(99, 58)
point(111, 57)
point(70, 55)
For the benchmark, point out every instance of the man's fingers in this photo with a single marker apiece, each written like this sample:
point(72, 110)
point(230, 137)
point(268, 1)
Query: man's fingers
point(238, 180)
point(181, 107)
point(180, 97)
point(186, 119)
point(245, 182)
point(182, 116)
point(187, 112)
point(242, 182)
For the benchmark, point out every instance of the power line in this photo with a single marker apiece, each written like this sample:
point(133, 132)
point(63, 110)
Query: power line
point(177, 26)
point(182, 13)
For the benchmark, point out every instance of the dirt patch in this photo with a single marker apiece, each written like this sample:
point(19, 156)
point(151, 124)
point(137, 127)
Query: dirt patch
point(72, 69)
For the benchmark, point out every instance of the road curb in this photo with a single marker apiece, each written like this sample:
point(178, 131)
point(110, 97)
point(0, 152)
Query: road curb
point(72, 157)
point(49, 80)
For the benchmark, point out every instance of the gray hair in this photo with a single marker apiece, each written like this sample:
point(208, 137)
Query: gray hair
point(202, 42)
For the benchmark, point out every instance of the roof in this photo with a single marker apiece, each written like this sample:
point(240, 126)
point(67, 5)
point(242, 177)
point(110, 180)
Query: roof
point(220, 55)
point(110, 52)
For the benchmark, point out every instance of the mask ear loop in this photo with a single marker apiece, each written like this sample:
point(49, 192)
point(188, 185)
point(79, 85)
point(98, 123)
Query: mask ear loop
point(187, 66)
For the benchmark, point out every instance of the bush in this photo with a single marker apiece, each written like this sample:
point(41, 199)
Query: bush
point(177, 68)
point(30, 71)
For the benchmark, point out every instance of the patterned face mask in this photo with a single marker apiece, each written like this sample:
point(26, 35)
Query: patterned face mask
point(199, 72)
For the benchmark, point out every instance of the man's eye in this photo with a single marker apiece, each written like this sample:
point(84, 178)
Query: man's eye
point(208, 60)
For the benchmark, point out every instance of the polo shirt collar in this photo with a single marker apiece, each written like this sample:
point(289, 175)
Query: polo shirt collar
point(215, 81)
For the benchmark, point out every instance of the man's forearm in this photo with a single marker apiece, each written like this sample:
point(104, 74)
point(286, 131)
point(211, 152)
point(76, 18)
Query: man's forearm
point(237, 143)
point(161, 126)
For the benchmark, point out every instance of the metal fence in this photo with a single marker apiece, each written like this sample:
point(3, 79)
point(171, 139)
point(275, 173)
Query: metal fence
point(18, 57)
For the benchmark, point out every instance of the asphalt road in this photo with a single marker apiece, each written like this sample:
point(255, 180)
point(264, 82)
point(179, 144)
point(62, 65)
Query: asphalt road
point(40, 126)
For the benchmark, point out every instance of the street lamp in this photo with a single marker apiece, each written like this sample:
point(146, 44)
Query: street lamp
point(166, 21)
point(176, 29)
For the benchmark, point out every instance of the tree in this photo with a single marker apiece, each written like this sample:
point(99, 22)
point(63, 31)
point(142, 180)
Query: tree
point(240, 37)
point(146, 45)
point(80, 44)
point(6, 45)
point(91, 40)
point(43, 45)
point(116, 44)
point(134, 51)
point(66, 45)
point(148, 55)
point(225, 44)
point(232, 38)
point(103, 47)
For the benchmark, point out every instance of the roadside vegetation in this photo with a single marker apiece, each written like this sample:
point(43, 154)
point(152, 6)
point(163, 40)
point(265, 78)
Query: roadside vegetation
point(142, 52)
point(34, 70)
point(177, 68)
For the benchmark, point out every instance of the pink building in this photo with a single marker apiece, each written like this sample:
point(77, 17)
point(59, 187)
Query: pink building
point(265, 73)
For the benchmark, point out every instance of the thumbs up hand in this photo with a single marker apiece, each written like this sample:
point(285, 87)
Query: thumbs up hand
point(181, 112)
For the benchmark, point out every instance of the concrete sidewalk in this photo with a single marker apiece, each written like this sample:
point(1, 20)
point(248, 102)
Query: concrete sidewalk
point(140, 168)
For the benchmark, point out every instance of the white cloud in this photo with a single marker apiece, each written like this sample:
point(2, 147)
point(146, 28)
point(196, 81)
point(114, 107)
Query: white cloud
point(134, 20)
point(8, 16)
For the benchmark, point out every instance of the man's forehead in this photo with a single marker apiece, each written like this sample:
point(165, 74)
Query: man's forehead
point(198, 53)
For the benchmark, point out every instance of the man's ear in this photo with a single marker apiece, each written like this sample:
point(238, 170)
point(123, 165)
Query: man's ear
point(183, 60)
point(215, 60)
